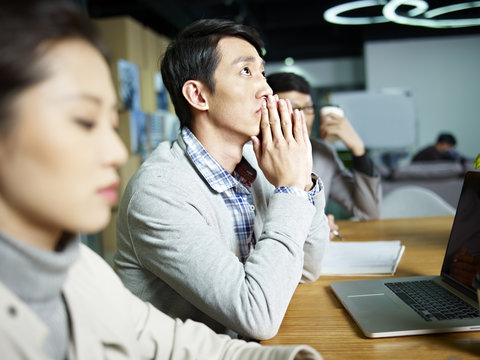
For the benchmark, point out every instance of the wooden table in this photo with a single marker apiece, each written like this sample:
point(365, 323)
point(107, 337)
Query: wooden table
point(315, 316)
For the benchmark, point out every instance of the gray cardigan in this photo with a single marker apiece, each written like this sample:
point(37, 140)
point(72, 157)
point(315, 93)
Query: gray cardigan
point(176, 246)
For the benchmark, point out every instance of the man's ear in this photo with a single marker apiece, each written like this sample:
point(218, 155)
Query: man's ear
point(194, 91)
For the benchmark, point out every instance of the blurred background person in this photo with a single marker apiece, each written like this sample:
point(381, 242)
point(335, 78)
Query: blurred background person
point(442, 150)
point(358, 192)
point(59, 152)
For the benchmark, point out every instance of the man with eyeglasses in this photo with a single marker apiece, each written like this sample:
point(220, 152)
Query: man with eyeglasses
point(358, 192)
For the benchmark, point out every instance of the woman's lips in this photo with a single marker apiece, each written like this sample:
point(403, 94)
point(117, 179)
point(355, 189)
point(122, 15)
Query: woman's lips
point(110, 192)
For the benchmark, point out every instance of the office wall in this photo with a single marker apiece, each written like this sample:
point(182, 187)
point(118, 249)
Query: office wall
point(347, 72)
point(443, 75)
point(127, 39)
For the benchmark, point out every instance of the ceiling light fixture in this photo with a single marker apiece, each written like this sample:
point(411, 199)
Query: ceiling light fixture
point(390, 12)
point(289, 61)
point(333, 14)
point(419, 15)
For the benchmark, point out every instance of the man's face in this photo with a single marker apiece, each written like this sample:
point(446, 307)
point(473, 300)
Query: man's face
point(303, 102)
point(444, 146)
point(234, 109)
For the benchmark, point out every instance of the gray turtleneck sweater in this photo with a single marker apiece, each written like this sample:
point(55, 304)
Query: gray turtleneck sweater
point(36, 276)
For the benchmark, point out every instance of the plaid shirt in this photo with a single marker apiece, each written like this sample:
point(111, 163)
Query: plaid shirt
point(235, 190)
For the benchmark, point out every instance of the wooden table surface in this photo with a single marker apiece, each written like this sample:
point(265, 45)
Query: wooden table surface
point(315, 316)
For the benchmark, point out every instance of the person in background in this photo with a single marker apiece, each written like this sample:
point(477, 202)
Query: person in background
point(59, 151)
point(442, 150)
point(222, 224)
point(359, 192)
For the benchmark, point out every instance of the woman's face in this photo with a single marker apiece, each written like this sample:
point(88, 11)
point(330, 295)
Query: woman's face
point(58, 162)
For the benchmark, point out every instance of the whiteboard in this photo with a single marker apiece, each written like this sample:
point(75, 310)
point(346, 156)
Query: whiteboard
point(382, 120)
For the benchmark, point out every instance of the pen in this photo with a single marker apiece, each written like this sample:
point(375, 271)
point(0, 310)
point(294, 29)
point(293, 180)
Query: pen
point(335, 232)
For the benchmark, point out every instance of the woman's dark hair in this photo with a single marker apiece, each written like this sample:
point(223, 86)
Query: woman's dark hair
point(193, 55)
point(27, 29)
point(283, 82)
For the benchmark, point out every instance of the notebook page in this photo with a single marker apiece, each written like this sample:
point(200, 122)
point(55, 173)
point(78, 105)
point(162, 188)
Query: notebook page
point(362, 257)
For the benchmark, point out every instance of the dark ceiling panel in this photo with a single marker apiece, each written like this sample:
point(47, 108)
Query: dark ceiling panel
point(288, 28)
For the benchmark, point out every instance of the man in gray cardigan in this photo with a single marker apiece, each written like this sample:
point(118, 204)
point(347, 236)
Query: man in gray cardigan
point(222, 224)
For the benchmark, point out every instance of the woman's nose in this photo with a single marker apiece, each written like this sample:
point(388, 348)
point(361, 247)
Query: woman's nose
point(115, 152)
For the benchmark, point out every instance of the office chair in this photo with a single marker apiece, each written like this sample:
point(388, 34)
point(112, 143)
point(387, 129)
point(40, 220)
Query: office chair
point(414, 201)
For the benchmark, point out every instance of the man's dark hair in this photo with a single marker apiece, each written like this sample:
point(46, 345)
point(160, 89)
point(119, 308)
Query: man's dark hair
point(447, 138)
point(286, 81)
point(193, 55)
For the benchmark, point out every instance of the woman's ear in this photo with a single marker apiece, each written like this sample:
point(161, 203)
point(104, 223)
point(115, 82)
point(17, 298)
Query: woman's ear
point(194, 93)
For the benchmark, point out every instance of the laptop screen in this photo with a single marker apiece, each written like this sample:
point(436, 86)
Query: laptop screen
point(462, 258)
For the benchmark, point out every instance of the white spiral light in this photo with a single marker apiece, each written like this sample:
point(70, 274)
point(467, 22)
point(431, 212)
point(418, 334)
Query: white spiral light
point(419, 15)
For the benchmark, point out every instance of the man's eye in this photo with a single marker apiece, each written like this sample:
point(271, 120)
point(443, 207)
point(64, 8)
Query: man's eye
point(264, 74)
point(246, 71)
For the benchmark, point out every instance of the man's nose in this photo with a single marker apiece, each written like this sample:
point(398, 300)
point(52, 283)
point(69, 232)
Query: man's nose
point(264, 89)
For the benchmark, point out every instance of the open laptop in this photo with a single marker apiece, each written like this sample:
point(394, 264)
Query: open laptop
point(392, 307)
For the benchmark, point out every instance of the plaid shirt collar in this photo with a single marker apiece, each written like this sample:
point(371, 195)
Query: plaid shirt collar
point(217, 177)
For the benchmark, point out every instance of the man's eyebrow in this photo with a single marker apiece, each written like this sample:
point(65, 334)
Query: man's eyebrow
point(241, 59)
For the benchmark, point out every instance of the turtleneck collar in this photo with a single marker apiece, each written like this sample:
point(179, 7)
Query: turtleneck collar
point(35, 275)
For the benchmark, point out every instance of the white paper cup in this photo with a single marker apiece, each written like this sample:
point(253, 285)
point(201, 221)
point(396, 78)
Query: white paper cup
point(331, 109)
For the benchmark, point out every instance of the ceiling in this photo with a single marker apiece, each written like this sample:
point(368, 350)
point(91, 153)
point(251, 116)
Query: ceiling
point(289, 28)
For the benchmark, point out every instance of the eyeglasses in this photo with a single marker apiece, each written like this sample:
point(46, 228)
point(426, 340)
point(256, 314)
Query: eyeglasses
point(308, 109)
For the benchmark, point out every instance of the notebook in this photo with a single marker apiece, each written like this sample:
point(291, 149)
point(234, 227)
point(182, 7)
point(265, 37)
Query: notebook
point(365, 258)
point(397, 307)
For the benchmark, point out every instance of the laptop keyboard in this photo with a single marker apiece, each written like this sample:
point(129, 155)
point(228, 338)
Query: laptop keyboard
point(430, 300)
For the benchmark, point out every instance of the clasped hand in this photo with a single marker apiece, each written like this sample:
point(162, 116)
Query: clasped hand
point(284, 152)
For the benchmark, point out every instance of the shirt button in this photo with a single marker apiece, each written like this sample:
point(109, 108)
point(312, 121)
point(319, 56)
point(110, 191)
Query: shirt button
point(252, 207)
point(12, 311)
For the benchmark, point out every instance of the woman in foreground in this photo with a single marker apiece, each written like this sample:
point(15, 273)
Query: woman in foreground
point(59, 152)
